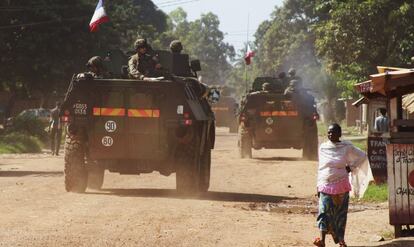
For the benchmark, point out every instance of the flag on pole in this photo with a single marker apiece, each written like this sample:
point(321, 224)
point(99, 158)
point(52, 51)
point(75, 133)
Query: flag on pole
point(249, 55)
point(99, 17)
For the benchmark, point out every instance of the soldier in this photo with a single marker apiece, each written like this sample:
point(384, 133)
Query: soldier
point(293, 76)
point(55, 129)
point(266, 88)
point(96, 69)
point(142, 65)
point(305, 101)
point(176, 47)
point(295, 86)
point(283, 79)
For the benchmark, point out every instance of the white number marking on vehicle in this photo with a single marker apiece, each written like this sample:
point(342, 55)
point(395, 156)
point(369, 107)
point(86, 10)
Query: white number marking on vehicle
point(80, 109)
point(268, 130)
point(110, 126)
point(107, 141)
point(180, 109)
point(269, 121)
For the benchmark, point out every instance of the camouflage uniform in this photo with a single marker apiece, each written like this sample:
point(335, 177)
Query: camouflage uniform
point(142, 65)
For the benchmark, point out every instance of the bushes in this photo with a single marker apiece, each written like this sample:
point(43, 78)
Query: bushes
point(26, 135)
point(19, 143)
point(29, 126)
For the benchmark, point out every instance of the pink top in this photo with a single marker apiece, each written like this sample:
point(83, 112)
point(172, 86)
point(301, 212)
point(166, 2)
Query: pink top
point(339, 187)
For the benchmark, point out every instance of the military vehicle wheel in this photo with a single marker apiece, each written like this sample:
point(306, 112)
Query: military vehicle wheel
point(245, 143)
point(205, 169)
point(188, 166)
point(310, 146)
point(95, 177)
point(76, 175)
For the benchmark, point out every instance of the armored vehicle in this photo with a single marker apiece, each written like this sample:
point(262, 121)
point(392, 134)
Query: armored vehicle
point(130, 126)
point(225, 111)
point(272, 120)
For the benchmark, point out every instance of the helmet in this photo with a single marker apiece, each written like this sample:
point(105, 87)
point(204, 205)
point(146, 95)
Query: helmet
point(176, 46)
point(96, 61)
point(282, 75)
point(140, 43)
point(292, 72)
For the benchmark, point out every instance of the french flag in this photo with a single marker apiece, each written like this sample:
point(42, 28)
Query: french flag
point(249, 55)
point(99, 16)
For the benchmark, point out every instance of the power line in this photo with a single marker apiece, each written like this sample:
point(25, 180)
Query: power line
point(175, 3)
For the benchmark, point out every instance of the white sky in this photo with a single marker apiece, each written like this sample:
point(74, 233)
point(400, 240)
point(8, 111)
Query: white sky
point(233, 15)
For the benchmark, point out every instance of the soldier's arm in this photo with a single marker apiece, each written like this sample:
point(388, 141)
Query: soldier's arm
point(133, 69)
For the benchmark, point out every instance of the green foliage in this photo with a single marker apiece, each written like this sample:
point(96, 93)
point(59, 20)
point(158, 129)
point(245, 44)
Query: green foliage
point(19, 143)
point(46, 41)
point(28, 126)
point(376, 193)
point(203, 40)
point(361, 144)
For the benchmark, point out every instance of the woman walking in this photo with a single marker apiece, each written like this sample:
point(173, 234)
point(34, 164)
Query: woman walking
point(336, 159)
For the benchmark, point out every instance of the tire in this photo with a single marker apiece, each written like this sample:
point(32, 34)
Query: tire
point(76, 175)
point(96, 176)
point(188, 160)
point(398, 233)
point(310, 145)
point(205, 169)
point(245, 143)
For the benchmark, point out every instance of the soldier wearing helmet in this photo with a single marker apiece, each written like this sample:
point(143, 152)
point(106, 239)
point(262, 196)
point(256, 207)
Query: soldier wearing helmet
point(96, 69)
point(293, 76)
point(142, 65)
point(176, 47)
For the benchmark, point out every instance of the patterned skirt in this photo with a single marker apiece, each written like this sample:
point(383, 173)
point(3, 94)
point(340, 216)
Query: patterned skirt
point(333, 210)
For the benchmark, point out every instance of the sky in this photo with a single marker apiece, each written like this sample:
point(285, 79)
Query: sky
point(233, 15)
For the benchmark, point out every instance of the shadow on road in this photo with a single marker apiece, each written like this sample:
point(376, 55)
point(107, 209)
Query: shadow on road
point(30, 173)
point(212, 196)
point(395, 243)
point(279, 159)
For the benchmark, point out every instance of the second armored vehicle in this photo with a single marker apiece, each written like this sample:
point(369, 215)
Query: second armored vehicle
point(272, 120)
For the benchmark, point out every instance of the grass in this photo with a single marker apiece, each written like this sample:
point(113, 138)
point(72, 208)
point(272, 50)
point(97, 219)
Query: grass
point(376, 193)
point(19, 143)
point(361, 144)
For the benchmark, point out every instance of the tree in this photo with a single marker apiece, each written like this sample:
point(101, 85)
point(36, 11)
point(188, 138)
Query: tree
point(46, 41)
point(359, 35)
point(202, 39)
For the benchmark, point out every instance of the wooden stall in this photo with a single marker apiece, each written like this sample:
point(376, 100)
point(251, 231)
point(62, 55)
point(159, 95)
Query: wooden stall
point(391, 152)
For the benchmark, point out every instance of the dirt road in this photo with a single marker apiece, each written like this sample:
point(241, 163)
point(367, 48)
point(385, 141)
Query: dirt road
point(266, 201)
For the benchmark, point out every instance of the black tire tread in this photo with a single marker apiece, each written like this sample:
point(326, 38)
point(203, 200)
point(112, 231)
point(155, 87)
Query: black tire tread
point(75, 170)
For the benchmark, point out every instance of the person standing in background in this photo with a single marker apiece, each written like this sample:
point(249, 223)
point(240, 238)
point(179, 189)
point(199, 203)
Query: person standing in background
point(381, 122)
point(55, 129)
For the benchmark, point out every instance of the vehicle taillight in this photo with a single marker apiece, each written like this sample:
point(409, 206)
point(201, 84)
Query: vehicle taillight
point(64, 119)
point(188, 122)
